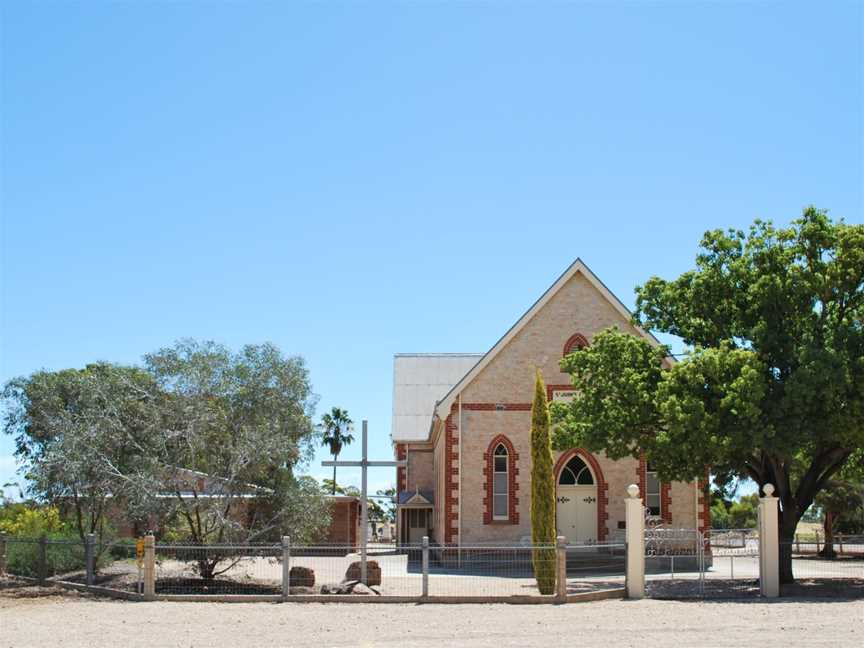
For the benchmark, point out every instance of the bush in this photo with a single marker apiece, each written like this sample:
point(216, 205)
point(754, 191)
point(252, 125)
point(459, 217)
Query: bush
point(64, 553)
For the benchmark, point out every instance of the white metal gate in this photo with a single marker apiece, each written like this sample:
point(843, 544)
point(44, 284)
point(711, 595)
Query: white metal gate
point(688, 563)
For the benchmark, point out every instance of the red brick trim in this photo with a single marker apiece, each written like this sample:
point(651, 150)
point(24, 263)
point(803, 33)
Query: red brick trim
point(704, 510)
point(512, 483)
point(602, 486)
point(497, 407)
point(665, 491)
point(451, 455)
point(401, 471)
point(642, 476)
point(551, 388)
point(666, 503)
point(575, 341)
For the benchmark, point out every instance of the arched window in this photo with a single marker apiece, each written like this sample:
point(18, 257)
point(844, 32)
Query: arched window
point(500, 493)
point(576, 473)
point(574, 342)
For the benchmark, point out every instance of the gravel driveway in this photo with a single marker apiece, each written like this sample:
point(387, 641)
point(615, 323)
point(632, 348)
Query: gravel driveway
point(69, 620)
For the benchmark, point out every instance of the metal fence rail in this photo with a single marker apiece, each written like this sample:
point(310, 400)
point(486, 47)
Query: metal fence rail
point(218, 569)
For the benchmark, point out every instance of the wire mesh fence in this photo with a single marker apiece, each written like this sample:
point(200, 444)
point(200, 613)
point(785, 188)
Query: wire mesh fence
point(821, 572)
point(218, 569)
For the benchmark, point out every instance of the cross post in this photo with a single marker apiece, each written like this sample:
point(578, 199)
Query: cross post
point(364, 464)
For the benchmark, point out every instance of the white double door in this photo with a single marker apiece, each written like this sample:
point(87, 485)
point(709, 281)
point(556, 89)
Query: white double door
point(577, 513)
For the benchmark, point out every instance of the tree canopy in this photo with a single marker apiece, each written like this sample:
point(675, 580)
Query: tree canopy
point(772, 384)
point(207, 438)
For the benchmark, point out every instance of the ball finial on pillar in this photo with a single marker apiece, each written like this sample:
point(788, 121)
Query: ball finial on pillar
point(633, 490)
point(768, 489)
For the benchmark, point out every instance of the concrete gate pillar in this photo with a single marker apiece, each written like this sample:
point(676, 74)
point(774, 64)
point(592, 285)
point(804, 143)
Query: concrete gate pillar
point(635, 525)
point(769, 544)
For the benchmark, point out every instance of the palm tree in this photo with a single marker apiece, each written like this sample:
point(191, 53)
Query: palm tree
point(336, 433)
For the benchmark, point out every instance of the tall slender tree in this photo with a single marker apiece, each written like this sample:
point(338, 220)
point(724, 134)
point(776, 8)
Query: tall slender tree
point(336, 434)
point(542, 491)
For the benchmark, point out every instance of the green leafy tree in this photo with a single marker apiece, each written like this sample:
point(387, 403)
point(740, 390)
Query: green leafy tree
point(743, 513)
point(235, 426)
point(543, 530)
point(772, 387)
point(335, 434)
point(838, 499)
point(78, 435)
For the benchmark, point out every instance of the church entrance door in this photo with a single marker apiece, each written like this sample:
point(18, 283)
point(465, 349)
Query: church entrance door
point(577, 502)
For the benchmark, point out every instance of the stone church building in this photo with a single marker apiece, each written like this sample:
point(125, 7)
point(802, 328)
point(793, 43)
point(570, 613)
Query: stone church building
point(462, 422)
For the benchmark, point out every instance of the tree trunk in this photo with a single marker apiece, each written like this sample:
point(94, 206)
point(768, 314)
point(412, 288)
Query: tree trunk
point(788, 521)
point(828, 525)
point(335, 458)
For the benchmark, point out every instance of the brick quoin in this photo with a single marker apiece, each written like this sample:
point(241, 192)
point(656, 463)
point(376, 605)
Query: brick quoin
point(401, 473)
point(666, 502)
point(451, 455)
point(705, 505)
point(512, 484)
point(602, 486)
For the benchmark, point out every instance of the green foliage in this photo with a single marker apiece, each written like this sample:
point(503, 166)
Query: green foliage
point(31, 521)
point(77, 432)
point(543, 530)
point(204, 437)
point(743, 513)
point(335, 434)
point(772, 388)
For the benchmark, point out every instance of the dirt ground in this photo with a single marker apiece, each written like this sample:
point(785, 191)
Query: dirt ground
point(46, 617)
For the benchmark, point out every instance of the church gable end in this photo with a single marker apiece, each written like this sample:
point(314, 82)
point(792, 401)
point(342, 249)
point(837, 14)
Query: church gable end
point(568, 320)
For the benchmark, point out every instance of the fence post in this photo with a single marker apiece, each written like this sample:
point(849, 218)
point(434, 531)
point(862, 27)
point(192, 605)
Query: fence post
point(635, 524)
point(769, 544)
point(43, 559)
point(561, 564)
point(90, 557)
point(2, 554)
point(286, 567)
point(149, 568)
point(425, 565)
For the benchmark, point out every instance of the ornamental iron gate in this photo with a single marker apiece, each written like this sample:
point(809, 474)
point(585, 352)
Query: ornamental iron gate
point(688, 563)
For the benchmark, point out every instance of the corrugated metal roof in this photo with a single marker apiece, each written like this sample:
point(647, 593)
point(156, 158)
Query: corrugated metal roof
point(419, 381)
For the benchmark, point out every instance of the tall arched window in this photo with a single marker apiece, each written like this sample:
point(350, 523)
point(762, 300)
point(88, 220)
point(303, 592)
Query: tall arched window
point(501, 472)
point(500, 483)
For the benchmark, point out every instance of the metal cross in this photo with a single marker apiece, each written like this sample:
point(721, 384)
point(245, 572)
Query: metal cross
point(364, 464)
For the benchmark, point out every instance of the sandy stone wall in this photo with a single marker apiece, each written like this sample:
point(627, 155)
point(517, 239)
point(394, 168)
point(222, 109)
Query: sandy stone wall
point(498, 402)
point(577, 308)
point(420, 469)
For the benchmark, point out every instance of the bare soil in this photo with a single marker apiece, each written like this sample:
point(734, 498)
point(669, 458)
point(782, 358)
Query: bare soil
point(32, 616)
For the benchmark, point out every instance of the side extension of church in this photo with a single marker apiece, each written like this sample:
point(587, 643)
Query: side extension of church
point(462, 422)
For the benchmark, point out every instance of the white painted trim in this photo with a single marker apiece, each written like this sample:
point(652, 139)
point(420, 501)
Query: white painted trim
point(442, 408)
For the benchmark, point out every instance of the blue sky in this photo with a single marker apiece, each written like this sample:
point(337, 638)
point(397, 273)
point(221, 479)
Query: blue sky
point(352, 180)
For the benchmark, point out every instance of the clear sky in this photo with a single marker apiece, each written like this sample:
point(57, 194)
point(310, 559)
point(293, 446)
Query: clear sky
point(352, 180)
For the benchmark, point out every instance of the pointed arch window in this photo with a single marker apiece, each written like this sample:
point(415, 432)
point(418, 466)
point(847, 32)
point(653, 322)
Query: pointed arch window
point(576, 473)
point(500, 484)
point(500, 472)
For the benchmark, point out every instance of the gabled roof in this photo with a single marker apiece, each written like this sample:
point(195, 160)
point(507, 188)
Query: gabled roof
point(419, 381)
point(442, 408)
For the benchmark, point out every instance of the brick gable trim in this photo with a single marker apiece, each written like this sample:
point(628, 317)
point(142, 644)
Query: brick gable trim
point(602, 486)
point(575, 341)
point(512, 482)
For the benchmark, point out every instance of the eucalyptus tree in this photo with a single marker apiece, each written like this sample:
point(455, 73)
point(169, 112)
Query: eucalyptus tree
point(336, 433)
point(772, 385)
point(235, 428)
point(79, 434)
